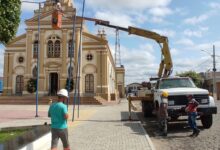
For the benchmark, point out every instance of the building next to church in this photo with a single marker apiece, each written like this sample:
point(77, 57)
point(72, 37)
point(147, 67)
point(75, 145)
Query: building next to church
point(97, 72)
point(208, 82)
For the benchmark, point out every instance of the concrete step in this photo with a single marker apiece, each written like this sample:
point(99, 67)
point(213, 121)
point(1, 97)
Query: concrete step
point(31, 100)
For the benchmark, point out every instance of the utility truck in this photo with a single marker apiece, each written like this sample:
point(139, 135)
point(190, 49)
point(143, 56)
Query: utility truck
point(178, 88)
point(169, 97)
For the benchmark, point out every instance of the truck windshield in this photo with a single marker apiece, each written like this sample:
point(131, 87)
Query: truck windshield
point(176, 83)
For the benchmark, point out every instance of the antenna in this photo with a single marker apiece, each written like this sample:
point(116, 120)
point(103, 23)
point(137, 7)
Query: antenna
point(117, 50)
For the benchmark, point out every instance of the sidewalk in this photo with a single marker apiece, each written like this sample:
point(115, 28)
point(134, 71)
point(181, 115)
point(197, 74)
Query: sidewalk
point(97, 128)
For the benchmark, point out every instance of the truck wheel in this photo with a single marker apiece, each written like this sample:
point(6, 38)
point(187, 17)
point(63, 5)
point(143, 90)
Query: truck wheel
point(206, 121)
point(147, 108)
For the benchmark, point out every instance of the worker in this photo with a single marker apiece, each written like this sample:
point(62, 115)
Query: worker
point(191, 109)
point(163, 114)
point(59, 116)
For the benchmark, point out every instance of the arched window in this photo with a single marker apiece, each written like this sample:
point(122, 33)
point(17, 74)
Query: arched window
point(57, 49)
point(35, 49)
point(53, 47)
point(70, 48)
point(49, 49)
point(34, 72)
point(89, 83)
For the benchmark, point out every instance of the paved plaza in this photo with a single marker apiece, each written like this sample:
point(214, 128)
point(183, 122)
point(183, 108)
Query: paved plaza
point(97, 128)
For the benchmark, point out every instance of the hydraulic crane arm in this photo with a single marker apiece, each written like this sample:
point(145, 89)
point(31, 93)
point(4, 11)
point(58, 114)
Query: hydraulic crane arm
point(166, 64)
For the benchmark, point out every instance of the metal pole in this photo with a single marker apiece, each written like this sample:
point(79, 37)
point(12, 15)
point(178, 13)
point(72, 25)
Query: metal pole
point(71, 55)
point(129, 106)
point(8, 75)
point(214, 70)
point(80, 55)
point(38, 53)
point(78, 66)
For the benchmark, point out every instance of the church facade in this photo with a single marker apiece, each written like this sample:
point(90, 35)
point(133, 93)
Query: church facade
point(98, 74)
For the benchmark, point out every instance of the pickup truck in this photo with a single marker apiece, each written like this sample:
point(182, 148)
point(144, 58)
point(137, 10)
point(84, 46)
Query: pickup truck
point(178, 88)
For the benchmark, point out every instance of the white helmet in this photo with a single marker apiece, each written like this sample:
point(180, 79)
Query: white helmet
point(63, 92)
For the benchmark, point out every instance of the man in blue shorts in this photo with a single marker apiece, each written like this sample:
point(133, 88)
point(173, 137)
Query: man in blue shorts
point(59, 115)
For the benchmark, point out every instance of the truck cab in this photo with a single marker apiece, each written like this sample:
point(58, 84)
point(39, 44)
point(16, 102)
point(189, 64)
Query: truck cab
point(178, 88)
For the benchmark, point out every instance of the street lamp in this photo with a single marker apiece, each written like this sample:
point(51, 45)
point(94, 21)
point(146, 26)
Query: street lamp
point(38, 51)
point(214, 70)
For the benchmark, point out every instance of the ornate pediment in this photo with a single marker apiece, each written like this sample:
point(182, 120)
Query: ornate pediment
point(93, 39)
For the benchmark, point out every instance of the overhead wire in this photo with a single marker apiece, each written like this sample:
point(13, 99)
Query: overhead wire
point(198, 65)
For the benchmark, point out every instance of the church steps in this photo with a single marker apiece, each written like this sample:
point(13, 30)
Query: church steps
point(31, 100)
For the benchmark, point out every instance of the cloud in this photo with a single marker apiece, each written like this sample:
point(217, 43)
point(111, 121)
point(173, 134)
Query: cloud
point(165, 32)
point(137, 13)
point(140, 63)
point(196, 19)
point(214, 5)
point(21, 28)
point(192, 57)
point(124, 4)
point(174, 52)
point(29, 7)
point(160, 11)
point(196, 32)
point(181, 11)
point(116, 18)
point(157, 19)
point(198, 65)
point(185, 41)
point(191, 33)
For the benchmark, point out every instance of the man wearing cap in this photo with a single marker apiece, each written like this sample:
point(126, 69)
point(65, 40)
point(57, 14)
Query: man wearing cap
point(191, 109)
point(59, 115)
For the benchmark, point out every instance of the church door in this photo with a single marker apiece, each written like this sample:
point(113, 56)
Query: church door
point(89, 83)
point(19, 84)
point(53, 84)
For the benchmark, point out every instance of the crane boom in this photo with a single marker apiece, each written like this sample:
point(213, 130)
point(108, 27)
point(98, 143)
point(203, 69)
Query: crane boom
point(166, 64)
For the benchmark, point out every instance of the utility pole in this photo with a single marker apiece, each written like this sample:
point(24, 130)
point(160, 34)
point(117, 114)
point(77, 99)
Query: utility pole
point(38, 51)
point(213, 73)
point(214, 70)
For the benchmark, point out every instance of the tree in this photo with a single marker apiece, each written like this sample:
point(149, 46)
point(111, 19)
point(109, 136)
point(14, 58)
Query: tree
point(197, 79)
point(10, 11)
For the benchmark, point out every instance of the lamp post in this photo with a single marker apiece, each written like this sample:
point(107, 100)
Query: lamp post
point(38, 51)
point(214, 70)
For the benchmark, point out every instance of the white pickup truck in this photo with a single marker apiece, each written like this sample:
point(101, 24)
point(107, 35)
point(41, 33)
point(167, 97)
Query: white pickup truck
point(172, 107)
point(178, 88)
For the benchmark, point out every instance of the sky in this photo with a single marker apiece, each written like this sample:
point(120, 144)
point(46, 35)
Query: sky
point(190, 25)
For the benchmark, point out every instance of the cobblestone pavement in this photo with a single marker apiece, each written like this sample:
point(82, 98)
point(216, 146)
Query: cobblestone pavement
point(105, 130)
point(178, 135)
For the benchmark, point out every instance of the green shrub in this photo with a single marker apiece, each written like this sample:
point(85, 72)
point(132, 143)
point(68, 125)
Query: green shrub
point(32, 85)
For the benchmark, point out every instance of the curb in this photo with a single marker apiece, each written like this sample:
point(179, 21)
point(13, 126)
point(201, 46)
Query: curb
point(43, 143)
point(147, 137)
point(145, 133)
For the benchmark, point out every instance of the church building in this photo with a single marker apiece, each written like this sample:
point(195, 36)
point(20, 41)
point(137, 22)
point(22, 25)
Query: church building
point(98, 73)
